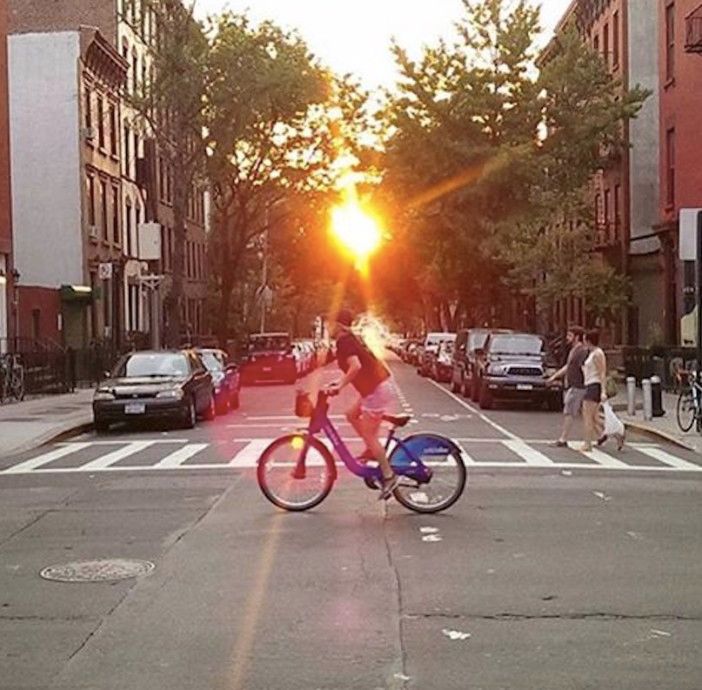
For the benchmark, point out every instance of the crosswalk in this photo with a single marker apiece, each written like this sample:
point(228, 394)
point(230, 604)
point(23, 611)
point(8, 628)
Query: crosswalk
point(170, 454)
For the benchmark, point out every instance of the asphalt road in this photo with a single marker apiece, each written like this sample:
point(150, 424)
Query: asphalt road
point(555, 570)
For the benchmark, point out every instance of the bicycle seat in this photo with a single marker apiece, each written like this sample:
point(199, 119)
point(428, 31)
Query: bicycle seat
point(397, 420)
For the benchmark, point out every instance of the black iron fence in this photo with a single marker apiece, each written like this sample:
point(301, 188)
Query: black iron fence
point(663, 362)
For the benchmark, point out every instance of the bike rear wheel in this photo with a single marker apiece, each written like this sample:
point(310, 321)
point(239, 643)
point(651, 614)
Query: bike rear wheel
point(448, 470)
point(686, 409)
point(281, 479)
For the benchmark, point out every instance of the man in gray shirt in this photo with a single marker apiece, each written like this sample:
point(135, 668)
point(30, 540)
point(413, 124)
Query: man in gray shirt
point(572, 372)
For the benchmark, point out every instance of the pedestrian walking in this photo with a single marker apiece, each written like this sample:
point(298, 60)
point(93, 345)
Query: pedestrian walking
point(594, 375)
point(574, 381)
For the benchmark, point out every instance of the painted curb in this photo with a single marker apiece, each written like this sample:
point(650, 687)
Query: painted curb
point(658, 433)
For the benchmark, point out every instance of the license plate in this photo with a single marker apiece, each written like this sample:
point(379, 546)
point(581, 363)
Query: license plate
point(525, 387)
point(267, 370)
point(134, 408)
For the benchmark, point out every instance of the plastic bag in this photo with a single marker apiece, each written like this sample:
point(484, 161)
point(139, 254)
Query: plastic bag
point(613, 426)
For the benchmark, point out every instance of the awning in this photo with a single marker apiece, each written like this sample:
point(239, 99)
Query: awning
point(76, 293)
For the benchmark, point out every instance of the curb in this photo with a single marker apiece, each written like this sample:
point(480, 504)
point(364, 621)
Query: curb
point(658, 433)
point(61, 432)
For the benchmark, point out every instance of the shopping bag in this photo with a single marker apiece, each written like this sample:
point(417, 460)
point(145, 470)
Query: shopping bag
point(613, 426)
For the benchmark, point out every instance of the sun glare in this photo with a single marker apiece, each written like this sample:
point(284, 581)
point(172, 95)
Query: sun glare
point(356, 230)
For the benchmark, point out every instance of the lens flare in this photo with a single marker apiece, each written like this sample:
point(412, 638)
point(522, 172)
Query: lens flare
point(356, 230)
point(297, 443)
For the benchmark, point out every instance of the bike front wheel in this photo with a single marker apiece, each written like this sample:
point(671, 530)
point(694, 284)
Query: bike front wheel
point(296, 472)
point(686, 410)
point(445, 463)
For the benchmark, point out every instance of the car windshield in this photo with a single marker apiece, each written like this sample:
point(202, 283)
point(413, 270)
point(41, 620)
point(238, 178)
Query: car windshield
point(212, 360)
point(517, 345)
point(436, 340)
point(477, 340)
point(269, 343)
point(153, 364)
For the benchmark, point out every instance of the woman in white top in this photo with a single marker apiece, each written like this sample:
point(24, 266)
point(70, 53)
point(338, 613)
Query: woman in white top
point(595, 373)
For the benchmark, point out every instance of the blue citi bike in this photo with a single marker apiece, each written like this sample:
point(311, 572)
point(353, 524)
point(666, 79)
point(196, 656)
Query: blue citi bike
point(297, 472)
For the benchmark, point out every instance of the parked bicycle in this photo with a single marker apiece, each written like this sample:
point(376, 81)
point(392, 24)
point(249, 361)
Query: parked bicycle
point(11, 378)
point(297, 472)
point(689, 408)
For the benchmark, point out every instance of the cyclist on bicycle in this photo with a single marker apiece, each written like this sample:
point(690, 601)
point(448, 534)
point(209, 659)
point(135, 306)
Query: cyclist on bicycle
point(371, 378)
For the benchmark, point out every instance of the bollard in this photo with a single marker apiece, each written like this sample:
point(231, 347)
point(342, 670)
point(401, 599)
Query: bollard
point(647, 402)
point(656, 397)
point(631, 396)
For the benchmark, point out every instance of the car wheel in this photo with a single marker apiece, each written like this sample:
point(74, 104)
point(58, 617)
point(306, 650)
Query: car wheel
point(211, 411)
point(190, 415)
point(475, 390)
point(455, 387)
point(101, 427)
point(485, 400)
point(234, 403)
point(555, 403)
point(222, 405)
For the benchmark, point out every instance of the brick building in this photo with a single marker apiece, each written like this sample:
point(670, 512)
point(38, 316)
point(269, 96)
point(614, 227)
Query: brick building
point(680, 69)
point(625, 195)
point(6, 264)
point(120, 308)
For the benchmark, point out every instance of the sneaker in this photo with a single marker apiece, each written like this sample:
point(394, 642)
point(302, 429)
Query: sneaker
point(621, 439)
point(602, 440)
point(389, 485)
point(559, 444)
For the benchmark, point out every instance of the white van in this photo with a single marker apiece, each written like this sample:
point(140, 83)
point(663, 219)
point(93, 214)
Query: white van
point(430, 349)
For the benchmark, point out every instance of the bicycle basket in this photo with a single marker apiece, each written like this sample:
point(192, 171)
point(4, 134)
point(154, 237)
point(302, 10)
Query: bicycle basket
point(303, 405)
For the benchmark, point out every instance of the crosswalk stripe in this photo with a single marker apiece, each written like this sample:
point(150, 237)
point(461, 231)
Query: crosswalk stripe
point(45, 458)
point(115, 456)
point(530, 455)
point(668, 459)
point(178, 457)
point(467, 457)
point(248, 456)
point(603, 459)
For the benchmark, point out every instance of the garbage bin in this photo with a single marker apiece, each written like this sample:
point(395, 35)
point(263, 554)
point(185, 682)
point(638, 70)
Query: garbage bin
point(657, 397)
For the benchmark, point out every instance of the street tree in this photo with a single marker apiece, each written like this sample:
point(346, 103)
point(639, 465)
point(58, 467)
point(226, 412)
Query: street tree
point(171, 101)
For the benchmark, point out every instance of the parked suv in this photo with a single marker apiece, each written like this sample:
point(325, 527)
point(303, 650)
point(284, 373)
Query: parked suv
point(467, 342)
point(515, 366)
point(270, 358)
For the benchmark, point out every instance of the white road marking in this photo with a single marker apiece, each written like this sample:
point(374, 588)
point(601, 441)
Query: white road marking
point(599, 457)
point(45, 458)
point(248, 456)
point(530, 455)
point(178, 457)
point(668, 459)
point(117, 455)
point(470, 408)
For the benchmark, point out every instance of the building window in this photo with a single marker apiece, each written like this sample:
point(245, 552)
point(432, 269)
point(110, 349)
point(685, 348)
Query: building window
point(670, 41)
point(88, 115)
point(605, 43)
point(127, 143)
point(91, 200)
point(617, 210)
point(128, 228)
point(607, 209)
point(670, 166)
point(113, 131)
point(599, 216)
point(137, 223)
point(101, 122)
point(135, 72)
point(161, 179)
point(596, 43)
point(615, 39)
point(115, 215)
point(103, 201)
point(36, 324)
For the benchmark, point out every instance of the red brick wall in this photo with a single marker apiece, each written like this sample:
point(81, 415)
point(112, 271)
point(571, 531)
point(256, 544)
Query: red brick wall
point(28, 16)
point(48, 304)
point(681, 109)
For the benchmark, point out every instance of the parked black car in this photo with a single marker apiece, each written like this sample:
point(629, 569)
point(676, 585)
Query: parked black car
point(169, 385)
point(468, 342)
point(270, 358)
point(226, 379)
point(515, 366)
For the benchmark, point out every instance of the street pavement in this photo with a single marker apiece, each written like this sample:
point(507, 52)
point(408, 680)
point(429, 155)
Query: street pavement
point(556, 569)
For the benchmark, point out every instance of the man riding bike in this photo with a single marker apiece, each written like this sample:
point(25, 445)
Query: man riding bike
point(371, 378)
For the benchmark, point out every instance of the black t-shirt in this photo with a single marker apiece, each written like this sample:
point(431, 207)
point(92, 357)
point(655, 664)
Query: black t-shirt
point(576, 358)
point(373, 371)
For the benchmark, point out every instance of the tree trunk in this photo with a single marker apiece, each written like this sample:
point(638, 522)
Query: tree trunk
point(174, 302)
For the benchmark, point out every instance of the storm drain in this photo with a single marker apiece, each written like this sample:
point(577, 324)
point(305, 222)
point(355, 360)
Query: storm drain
point(97, 571)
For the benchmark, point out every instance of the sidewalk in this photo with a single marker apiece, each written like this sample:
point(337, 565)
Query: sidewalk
point(32, 423)
point(665, 427)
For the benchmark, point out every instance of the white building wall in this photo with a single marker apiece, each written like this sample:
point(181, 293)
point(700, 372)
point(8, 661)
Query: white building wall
point(45, 158)
point(644, 130)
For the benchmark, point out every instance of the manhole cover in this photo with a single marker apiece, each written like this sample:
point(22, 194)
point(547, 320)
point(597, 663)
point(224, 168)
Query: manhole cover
point(97, 571)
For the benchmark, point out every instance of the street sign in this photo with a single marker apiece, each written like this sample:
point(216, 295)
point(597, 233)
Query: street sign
point(688, 233)
point(105, 271)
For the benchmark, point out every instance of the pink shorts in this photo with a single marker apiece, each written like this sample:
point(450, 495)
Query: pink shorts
point(380, 401)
